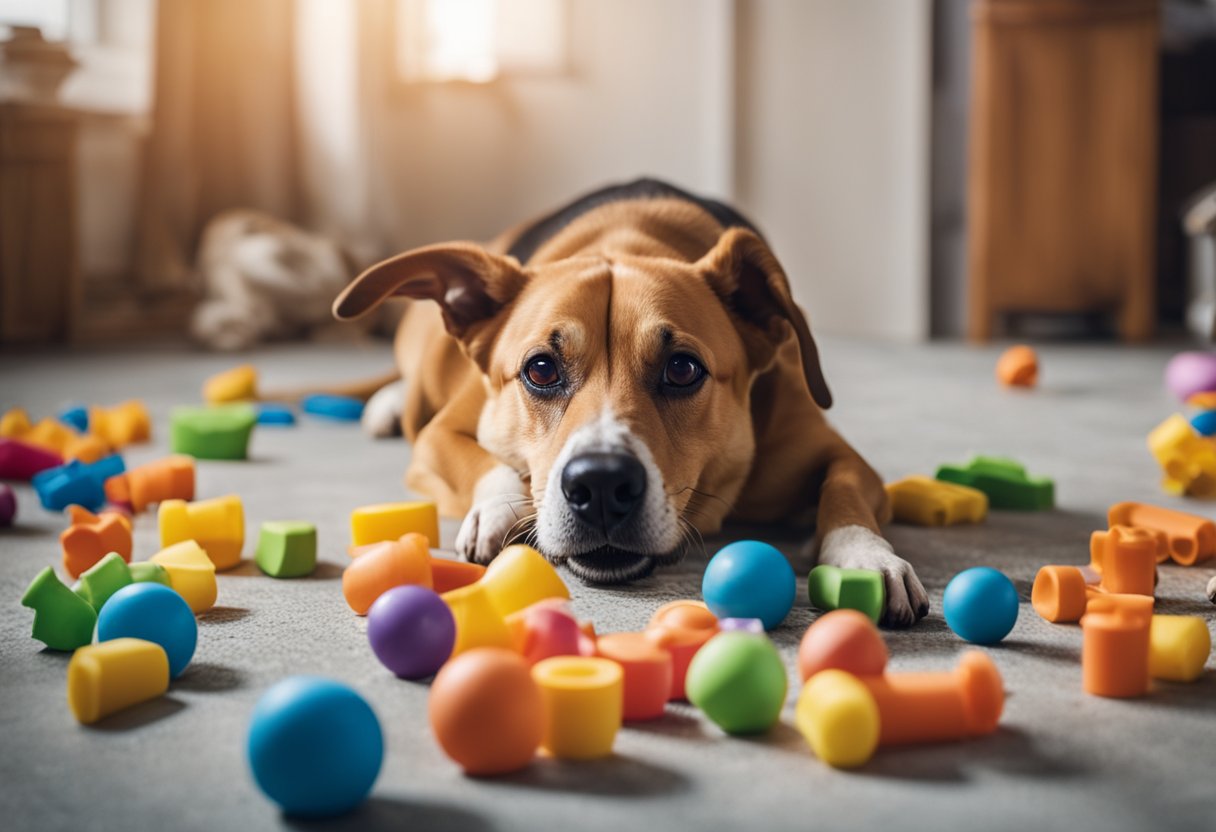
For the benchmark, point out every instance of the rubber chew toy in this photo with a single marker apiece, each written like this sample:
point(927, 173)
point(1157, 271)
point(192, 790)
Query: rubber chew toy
point(108, 677)
point(1179, 646)
point(171, 478)
point(452, 574)
point(681, 628)
point(749, 579)
point(49, 434)
point(1189, 538)
point(391, 563)
point(75, 417)
point(1004, 481)
point(980, 605)
point(62, 619)
point(738, 680)
point(220, 432)
point(91, 537)
point(240, 384)
point(411, 631)
point(218, 525)
point(831, 588)
point(583, 700)
point(1018, 367)
point(121, 425)
point(486, 711)
point(337, 408)
point(86, 448)
point(478, 622)
point(1187, 459)
point(519, 577)
point(389, 521)
point(1123, 560)
point(921, 501)
point(646, 670)
point(1115, 645)
point(191, 573)
point(548, 628)
point(839, 719)
point(21, 460)
point(102, 580)
point(287, 548)
point(80, 483)
point(154, 613)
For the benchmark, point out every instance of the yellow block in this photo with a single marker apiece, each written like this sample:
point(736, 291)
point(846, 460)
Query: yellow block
point(107, 677)
point(478, 623)
point(191, 573)
point(218, 525)
point(923, 501)
point(1179, 646)
point(388, 521)
point(839, 718)
point(1187, 459)
point(519, 577)
point(50, 434)
point(583, 699)
point(121, 425)
point(87, 448)
point(239, 384)
point(14, 424)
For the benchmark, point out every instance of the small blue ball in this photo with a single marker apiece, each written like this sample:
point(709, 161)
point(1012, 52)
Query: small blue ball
point(749, 579)
point(980, 605)
point(315, 746)
point(1204, 422)
point(155, 613)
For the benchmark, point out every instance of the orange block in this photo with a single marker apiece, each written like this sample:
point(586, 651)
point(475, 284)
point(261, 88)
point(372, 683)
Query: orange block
point(1060, 594)
point(681, 628)
point(171, 478)
point(384, 566)
point(453, 574)
point(86, 448)
point(50, 434)
point(1115, 645)
point(930, 707)
point(648, 673)
point(91, 537)
point(1126, 559)
point(1018, 367)
point(1190, 538)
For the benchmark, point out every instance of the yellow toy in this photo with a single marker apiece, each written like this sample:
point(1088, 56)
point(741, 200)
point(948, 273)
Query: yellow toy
point(218, 525)
point(239, 384)
point(121, 425)
point(478, 622)
point(583, 699)
point(839, 718)
point(107, 677)
point(519, 577)
point(1179, 646)
point(389, 521)
point(191, 574)
point(923, 501)
point(49, 434)
point(1187, 459)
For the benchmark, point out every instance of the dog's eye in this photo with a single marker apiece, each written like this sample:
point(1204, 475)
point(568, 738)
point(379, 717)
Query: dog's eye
point(541, 371)
point(682, 371)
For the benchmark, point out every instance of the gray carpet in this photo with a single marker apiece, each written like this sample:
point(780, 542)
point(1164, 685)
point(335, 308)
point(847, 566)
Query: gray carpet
point(1061, 759)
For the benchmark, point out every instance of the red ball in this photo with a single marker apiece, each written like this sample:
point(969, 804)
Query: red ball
point(842, 640)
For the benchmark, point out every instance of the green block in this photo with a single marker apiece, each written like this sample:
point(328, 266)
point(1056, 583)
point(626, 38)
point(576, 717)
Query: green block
point(220, 432)
point(287, 549)
point(148, 572)
point(62, 619)
point(739, 681)
point(833, 588)
point(1004, 481)
point(102, 580)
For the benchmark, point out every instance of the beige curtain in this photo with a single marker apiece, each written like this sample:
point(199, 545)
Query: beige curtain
point(224, 132)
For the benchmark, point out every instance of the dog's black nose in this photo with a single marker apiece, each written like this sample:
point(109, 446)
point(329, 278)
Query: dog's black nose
point(603, 489)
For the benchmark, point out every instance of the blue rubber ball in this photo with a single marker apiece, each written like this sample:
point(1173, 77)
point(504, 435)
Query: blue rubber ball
point(155, 613)
point(338, 408)
point(1204, 422)
point(980, 605)
point(749, 579)
point(315, 746)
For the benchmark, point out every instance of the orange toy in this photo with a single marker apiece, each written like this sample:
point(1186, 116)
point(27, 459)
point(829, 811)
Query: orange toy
point(486, 711)
point(91, 537)
point(648, 673)
point(1126, 559)
point(453, 574)
point(842, 640)
point(386, 565)
point(121, 425)
point(1060, 593)
point(87, 448)
point(1018, 367)
point(49, 434)
point(1189, 538)
point(681, 628)
point(1115, 645)
point(171, 478)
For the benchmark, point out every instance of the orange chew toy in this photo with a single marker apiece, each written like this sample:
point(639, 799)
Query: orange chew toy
point(453, 574)
point(384, 566)
point(681, 628)
point(842, 640)
point(91, 537)
point(171, 478)
point(648, 672)
point(1126, 559)
point(1115, 645)
point(1190, 538)
point(1018, 367)
point(486, 711)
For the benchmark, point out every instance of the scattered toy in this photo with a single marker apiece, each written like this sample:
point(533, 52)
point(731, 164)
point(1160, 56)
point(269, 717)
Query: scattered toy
point(749, 579)
point(108, 677)
point(171, 478)
point(1018, 367)
point(76, 417)
point(681, 628)
point(739, 681)
point(218, 525)
point(391, 563)
point(287, 548)
point(191, 573)
point(980, 605)
point(647, 673)
point(1187, 459)
point(1191, 373)
point(922, 501)
point(121, 425)
point(102, 580)
point(275, 414)
point(831, 588)
point(62, 619)
point(1004, 481)
point(236, 385)
point(8, 506)
point(81, 483)
point(1115, 645)
point(21, 461)
point(411, 631)
point(1179, 646)
point(155, 613)
point(219, 432)
point(389, 521)
point(337, 408)
point(581, 702)
point(1188, 538)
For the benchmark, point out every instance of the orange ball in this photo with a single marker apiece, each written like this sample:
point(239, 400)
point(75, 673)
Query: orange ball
point(1018, 367)
point(842, 640)
point(486, 711)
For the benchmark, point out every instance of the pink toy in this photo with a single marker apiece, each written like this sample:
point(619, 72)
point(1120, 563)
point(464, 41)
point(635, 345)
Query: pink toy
point(20, 460)
point(548, 628)
point(1189, 373)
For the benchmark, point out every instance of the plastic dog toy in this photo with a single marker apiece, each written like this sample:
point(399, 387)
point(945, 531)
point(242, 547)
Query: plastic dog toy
point(922, 501)
point(337, 408)
point(147, 572)
point(287, 549)
point(411, 631)
point(1018, 367)
point(486, 711)
point(832, 588)
point(548, 628)
point(519, 577)
point(1189, 373)
point(1189, 538)
point(749, 579)
point(154, 613)
point(103, 579)
point(478, 621)
point(1179, 646)
point(1204, 422)
point(76, 417)
point(681, 628)
point(88, 448)
point(738, 680)
point(389, 564)
point(839, 719)
point(240, 384)
point(21, 461)
point(108, 677)
point(276, 414)
point(1115, 645)
point(121, 425)
point(49, 434)
point(452, 574)
point(389, 521)
point(582, 704)
point(191, 573)
point(647, 673)
point(220, 432)
point(62, 619)
point(842, 640)
point(1123, 561)
point(76, 482)
point(171, 478)
point(218, 525)
point(1004, 481)
point(1187, 459)
point(980, 605)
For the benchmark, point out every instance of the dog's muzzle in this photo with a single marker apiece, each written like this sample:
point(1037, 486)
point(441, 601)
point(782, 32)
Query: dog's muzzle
point(604, 490)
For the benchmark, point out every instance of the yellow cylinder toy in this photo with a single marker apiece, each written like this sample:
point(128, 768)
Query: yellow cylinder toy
point(583, 699)
point(389, 521)
point(107, 677)
point(519, 577)
point(218, 525)
point(839, 718)
point(1178, 648)
point(191, 573)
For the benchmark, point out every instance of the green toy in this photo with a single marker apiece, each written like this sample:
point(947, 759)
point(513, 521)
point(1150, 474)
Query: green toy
point(833, 588)
point(1004, 481)
point(102, 580)
point(148, 572)
point(739, 681)
point(62, 619)
point(287, 549)
point(220, 432)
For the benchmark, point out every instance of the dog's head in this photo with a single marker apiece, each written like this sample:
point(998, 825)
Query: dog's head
point(618, 388)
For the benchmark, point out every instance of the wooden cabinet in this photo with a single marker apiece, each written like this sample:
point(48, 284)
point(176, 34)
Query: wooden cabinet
point(1063, 160)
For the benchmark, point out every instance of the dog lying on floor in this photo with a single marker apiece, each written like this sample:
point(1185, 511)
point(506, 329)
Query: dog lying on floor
point(615, 375)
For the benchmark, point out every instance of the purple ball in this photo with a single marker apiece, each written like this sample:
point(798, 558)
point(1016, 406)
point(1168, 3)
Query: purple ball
point(8, 505)
point(412, 631)
point(1189, 373)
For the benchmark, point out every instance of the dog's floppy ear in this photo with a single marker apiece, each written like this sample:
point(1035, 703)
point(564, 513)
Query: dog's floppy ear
point(745, 274)
point(470, 284)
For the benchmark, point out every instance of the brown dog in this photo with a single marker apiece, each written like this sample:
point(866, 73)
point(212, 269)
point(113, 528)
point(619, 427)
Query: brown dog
point(616, 374)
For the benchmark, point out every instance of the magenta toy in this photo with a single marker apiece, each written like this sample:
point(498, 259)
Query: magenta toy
point(20, 460)
point(411, 631)
point(8, 505)
point(1189, 373)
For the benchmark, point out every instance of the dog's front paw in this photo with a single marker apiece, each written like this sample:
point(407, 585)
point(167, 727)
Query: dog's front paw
point(856, 547)
point(382, 413)
point(500, 511)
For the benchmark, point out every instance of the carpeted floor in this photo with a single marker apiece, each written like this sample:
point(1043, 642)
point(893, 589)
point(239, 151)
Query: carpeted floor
point(1061, 759)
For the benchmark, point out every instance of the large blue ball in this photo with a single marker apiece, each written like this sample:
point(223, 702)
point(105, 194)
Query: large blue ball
point(981, 605)
point(749, 579)
point(315, 746)
point(153, 612)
